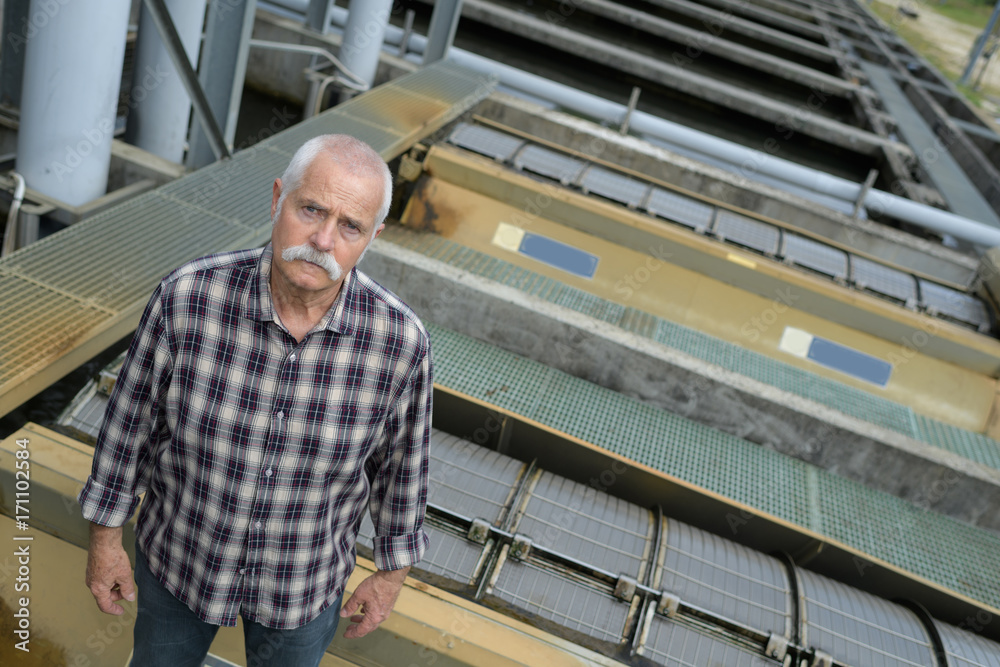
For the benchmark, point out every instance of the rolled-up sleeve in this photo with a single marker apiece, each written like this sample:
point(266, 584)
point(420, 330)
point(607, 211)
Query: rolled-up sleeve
point(398, 499)
point(129, 430)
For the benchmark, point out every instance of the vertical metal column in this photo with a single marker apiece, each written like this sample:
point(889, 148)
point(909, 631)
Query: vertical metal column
point(222, 72)
point(441, 33)
point(72, 74)
point(159, 106)
point(16, 28)
point(363, 36)
point(980, 44)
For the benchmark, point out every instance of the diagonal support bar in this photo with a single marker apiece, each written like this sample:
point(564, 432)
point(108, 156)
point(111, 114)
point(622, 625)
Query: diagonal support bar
point(172, 42)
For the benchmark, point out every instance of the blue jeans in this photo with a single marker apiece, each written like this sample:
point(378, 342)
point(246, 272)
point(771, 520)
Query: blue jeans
point(168, 634)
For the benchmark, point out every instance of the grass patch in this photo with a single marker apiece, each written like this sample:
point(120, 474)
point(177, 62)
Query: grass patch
point(929, 49)
point(925, 47)
point(973, 14)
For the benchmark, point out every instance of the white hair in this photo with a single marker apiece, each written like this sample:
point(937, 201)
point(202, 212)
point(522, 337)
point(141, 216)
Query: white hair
point(357, 156)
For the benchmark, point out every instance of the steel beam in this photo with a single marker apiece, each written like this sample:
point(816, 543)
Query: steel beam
point(441, 33)
point(222, 72)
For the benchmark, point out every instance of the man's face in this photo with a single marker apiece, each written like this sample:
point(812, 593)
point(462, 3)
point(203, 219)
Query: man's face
point(333, 212)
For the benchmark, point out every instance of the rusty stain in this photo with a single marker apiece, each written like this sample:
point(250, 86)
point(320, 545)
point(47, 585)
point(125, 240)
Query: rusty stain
point(427, 212)
point(43, 653)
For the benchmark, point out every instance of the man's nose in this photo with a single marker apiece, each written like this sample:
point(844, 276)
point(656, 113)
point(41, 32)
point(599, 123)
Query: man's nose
point(324, 238)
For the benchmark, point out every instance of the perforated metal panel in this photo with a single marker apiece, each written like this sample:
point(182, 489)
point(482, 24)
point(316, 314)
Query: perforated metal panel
point(614, 186)
point(675, 645)
point(447, 555)
point(967, 649)
point(680, 209)
point(973, 446)
point(450, 556)
point(588, 525)
point(814, 256)
point(747, 232)
point(557, 598)
point(485, 141)
point(884, 281)
point(940, 300)
point(549, 163)
point(731, 580)
point(857, 628)
point(86, 412)
point(471, 481)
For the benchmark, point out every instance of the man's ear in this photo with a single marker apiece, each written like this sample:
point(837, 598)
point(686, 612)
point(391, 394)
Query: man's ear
point(378, 231)
point(275, 195)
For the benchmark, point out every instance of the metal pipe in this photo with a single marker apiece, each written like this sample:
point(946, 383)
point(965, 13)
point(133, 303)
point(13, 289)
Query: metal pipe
point(160, 107)
point(364, 31)
point(358, 83)
point(441, 31)
point(221, 72)
point(182, 66)
point(742, 161)
point(72, 73)
point(10, 233)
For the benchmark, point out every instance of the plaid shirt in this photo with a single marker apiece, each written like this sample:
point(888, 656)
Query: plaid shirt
point(258, 454)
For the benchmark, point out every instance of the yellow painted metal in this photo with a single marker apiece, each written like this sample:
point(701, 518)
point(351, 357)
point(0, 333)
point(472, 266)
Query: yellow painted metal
point(939, 369)
point(59, 466)
point(66, 627)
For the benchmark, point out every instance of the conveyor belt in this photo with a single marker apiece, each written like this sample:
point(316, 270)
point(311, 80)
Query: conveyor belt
point(72, 294)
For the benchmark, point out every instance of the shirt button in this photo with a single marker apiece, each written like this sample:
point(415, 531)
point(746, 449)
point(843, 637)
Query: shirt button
point(257, 525)
point(268, 472)
point(243, 570)
point(291, 357)
point(281, 414)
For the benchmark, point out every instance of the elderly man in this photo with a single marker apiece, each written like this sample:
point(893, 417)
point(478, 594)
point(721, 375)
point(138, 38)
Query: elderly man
point(268, 397)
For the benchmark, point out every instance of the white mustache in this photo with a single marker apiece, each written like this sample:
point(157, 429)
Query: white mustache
point(309, 254)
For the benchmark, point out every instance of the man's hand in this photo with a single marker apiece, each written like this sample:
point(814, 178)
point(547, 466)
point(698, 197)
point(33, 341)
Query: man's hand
point(109, 573)
point(375, 596)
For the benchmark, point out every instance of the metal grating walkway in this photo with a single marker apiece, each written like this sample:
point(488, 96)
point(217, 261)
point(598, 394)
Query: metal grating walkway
point(70, 295)
point(959, 557)
point(849, 400)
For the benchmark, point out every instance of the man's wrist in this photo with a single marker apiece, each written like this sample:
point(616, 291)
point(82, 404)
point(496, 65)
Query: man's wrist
point(105, 535)
point(397, 576)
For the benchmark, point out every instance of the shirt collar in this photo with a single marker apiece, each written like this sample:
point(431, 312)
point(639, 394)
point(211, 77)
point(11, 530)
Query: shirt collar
point(258, 305)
